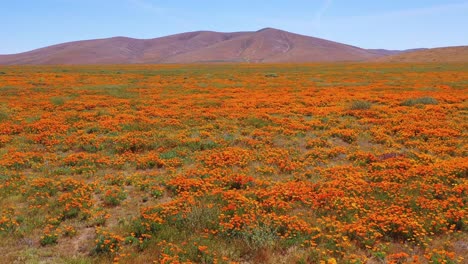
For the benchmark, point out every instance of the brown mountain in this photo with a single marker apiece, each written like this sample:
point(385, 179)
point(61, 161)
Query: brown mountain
point(118, 49)
point(446, 54)
point(266, 45)
point(272, 45)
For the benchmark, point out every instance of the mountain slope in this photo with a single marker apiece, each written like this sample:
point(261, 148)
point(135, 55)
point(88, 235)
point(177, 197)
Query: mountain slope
point(117, 49)
point(266, 45)
point(272, 45)
point(446, 54)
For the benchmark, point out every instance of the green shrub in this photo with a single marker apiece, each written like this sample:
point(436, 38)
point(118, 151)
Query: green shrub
point(168, 154)
point(114, 195)
point(258, 122)
point(49, 239)
point(8, 224)
point(57, 101)
point(200, 217)
point(360, 105)
point(107, 243)
point(260, 237)
point(3, 116)
point(271, 75)
point(421, 100)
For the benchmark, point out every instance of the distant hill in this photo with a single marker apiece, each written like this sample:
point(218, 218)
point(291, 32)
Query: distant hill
point(446, 54)
point(272, 45)
point(266, 45)
point(384, 52)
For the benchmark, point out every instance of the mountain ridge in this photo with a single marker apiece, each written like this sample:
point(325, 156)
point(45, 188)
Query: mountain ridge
point(264, 45)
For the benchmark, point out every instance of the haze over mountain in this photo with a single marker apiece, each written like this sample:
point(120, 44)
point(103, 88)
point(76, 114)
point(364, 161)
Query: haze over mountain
point(265, 45)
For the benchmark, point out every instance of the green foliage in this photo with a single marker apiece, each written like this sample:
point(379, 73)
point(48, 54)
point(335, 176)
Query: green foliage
point(201, 145)
point(258, 122)
point(421, 100)
point(360, 105)
point(3, 116)
point(49, 239)
point(271, 75)
point(9, 90)
point(114, 196)
point(260, 237)
point(168, 155)
point(107, 243)
point(57, 101)
point(202, 217)
point(209, 104)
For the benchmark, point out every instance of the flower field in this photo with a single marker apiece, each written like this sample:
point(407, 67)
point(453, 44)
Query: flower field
point(240, 163)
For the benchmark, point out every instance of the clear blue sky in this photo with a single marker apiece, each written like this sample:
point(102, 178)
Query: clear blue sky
point(390, 24)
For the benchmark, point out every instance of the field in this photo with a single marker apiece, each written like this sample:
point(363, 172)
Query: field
point(313, 163)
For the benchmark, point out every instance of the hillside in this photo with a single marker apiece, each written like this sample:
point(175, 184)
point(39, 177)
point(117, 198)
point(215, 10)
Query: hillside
point(447, 54)
point(266, 45)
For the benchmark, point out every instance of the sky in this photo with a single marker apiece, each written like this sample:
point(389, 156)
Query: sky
point(388, 24)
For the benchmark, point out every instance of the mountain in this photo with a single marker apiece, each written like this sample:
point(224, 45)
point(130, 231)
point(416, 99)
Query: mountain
point(266, 45)
point(446, 54)
point(118, 49)
point(272, 45)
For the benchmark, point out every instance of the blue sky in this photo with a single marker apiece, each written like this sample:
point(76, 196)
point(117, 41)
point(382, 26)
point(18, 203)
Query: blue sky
point(390, 24)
